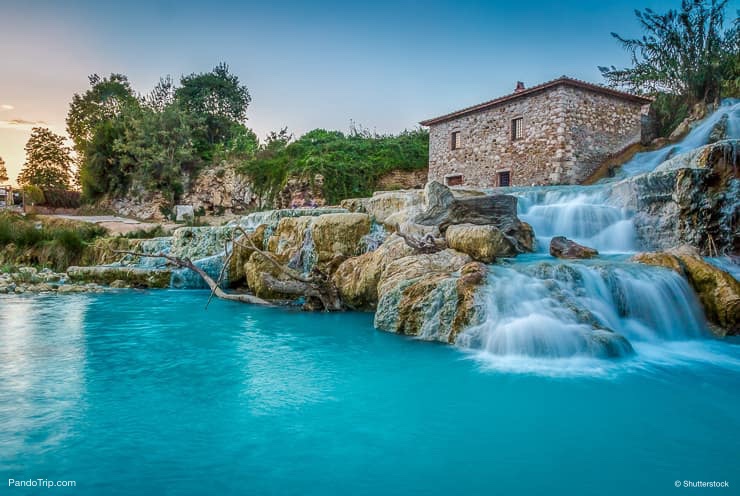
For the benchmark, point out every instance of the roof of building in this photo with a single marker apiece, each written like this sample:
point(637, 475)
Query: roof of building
point(520, 93)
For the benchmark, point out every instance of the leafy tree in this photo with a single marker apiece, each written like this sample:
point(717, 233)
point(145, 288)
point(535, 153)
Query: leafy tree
point(48, 161)
point(3, 171)
point(157, 148)
point(104, 169)
point(104, 101)
point(161, 96)
point(218, 97)
point(683, 52)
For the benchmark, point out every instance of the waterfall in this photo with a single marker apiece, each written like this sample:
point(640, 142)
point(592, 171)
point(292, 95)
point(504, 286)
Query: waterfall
point(187, 279)
point(587, 215)
point(698, 136)
point(567, 309)
point(577, 212)
point(372, 240)
point(305, 258)
point(607, 307)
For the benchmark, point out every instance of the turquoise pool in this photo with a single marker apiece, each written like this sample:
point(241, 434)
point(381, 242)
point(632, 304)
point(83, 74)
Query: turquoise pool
point(148, 393)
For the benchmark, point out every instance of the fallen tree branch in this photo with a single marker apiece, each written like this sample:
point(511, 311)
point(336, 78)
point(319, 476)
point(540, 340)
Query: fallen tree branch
point(186, 263)
point(293, 274)
point(317, 284)
point(427, 244)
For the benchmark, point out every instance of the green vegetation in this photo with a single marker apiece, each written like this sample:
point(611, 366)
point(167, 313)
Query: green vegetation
point(153, 232)
point(157, 142)
point(685, 57)
point(48, 161)
point(50, 243)
point(129, 145)
point(350, 164)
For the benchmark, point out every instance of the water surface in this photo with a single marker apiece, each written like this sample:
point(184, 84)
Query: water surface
point(148, 393)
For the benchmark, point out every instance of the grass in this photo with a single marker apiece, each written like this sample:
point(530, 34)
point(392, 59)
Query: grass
point(53, 243)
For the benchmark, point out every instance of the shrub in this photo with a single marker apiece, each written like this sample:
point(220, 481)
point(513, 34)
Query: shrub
point(50, 242)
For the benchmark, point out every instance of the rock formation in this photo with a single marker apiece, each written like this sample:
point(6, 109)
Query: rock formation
point(562, 247)
point(692, 199)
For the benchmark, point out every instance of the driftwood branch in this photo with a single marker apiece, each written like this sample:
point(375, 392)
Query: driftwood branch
point(427, 244)
point(317, 284)
point(316, 287)
point(215, 289)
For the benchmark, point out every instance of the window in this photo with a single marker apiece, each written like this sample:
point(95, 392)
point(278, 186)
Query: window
point(455, 180)
point(517, 129)
point(504, 179)
point(455, 140)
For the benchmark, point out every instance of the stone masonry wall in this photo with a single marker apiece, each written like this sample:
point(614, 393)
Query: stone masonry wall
point(567, 132)
point(599, 126)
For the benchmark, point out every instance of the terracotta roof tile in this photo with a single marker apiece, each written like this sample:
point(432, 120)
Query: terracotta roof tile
point(564, 80)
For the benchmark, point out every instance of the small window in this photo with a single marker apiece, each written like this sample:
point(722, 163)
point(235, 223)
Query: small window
point(504, 179)
point(517, 129)
point(455, 140)
point(455, 180)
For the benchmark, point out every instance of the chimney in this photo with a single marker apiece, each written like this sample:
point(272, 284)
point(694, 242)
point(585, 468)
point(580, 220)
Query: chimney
point(519, 87)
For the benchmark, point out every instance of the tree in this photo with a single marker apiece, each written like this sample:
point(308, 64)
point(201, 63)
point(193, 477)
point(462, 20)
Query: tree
point(48, 161)
point(157, 149)
point(161, 96)
point(104, 168)
point(682, 52)
point(3, 171)
point(216, 96)
point(104, 101)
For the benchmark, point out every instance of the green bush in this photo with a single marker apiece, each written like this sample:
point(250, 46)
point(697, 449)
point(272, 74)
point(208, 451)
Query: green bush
point(350, 164)
point(54, 243)
point(155, 232)
point(667, 112)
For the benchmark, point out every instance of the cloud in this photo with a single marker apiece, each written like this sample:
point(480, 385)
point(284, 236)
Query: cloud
point(5, 106)
point(20, 124)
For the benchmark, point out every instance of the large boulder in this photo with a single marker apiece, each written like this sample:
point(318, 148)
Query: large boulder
point(256, 269)
point(241, 253)
point(305, 243)
point(718, 291)
point(482, 243)
point(431, 296)
point(339, 235)
point(196, 243)
point(288, 238)
point(562, 247)
point(357, 278)
point(443, 209)
point(388, 208)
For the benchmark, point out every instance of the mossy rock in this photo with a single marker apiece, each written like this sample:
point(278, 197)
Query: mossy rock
point(132, 276)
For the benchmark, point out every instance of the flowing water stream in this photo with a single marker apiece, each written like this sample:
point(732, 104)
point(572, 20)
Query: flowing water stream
point(542, 308)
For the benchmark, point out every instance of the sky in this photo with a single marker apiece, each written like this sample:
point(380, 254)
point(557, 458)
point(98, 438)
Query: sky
point(381, 64)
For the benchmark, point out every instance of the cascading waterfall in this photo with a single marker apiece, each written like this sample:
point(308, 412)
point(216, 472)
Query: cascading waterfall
point(561, 309)
point(538, 307)
point(305, 258)
point(579, 213)
point(728, 111)
point(372, 240)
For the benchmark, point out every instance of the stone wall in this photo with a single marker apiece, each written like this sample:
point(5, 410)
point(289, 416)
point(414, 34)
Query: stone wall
point(567, 132)
point(402, 179)
point(598, 126)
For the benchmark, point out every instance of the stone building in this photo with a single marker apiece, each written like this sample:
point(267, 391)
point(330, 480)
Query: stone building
point(558, 132)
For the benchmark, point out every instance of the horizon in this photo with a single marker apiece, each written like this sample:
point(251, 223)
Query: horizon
point(385, 67)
